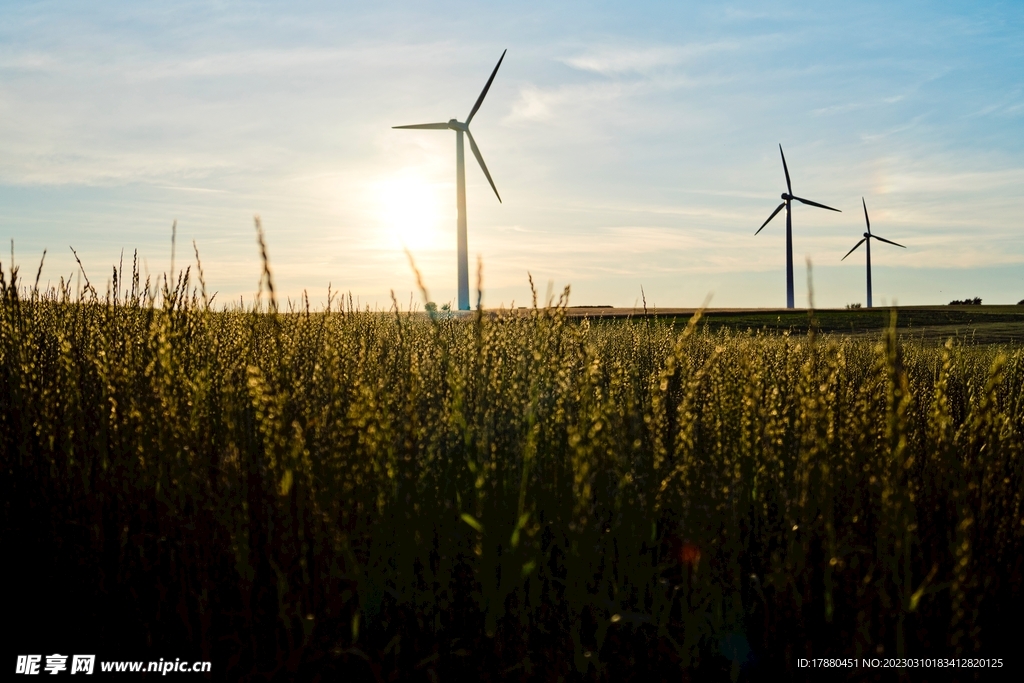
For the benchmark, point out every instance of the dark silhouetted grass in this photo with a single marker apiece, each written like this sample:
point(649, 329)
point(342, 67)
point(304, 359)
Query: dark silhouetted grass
point(522, 496)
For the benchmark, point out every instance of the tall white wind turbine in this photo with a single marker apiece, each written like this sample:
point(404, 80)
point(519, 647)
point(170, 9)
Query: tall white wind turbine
point(787, 201)
point(460, 175)
point(866, 241)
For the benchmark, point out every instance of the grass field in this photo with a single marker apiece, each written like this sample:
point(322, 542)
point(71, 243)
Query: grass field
point(526, 496)
point(973, 324)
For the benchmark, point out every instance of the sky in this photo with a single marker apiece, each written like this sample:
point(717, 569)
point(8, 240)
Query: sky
point(635, 147)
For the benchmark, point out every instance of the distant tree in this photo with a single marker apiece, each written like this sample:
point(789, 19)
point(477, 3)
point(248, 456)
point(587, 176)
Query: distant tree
point(1021, 302)
point(853, 305)
point(976, 301)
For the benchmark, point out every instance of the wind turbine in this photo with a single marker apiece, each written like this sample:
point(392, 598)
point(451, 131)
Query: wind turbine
point(868, 236)
point(460, 175)
point(787, 198)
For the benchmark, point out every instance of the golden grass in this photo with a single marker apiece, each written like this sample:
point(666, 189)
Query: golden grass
point(510, 496)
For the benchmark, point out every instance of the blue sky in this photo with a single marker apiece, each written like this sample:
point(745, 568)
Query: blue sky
point(633, 146)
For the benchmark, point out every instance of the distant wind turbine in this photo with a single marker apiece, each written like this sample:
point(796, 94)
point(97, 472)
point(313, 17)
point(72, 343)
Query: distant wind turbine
point(460, 175)
point(787, 198)
point(868, 236)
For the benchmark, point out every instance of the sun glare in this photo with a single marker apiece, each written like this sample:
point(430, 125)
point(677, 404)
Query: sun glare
point(409, 211)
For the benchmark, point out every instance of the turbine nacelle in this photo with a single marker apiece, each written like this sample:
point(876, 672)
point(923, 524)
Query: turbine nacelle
point(786, 196)
point(457, 125)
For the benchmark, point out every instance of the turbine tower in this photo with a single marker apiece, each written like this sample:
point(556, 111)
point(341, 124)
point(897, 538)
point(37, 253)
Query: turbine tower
point(787, 198)
point(460, 176)
point(868, 236)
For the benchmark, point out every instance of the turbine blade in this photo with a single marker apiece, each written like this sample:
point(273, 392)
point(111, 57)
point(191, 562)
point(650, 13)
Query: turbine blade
point(480, 158)
point(862, 241)
point(887, 241)
point(426, 126)
point(483, 94)
point(866, 219)
point(810, 203)
point(789, 185)
point(777, 209)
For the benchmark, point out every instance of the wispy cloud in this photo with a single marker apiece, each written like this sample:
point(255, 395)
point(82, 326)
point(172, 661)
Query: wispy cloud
point(612, 61)
point(903, 127)
point(536, 104)
point(1004, 109)
point(617, 61)
point(855, 106)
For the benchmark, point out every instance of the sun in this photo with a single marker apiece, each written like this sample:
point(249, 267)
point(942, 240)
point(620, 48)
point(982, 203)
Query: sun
point(409, 211)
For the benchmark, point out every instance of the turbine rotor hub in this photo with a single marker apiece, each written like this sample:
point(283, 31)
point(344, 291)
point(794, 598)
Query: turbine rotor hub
point(786, 196)
point(456, 125)
point(866, 235)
